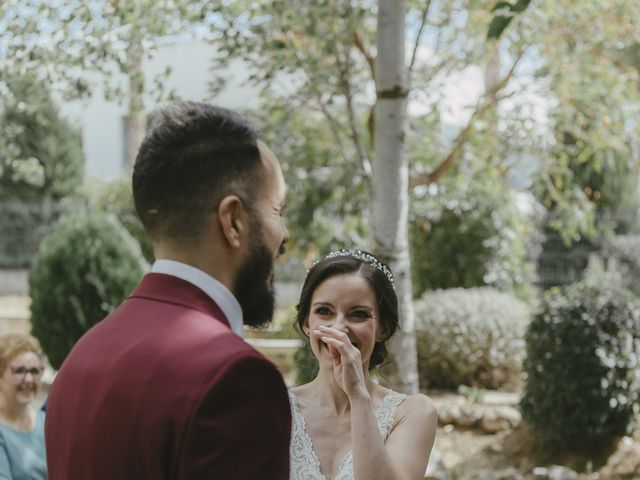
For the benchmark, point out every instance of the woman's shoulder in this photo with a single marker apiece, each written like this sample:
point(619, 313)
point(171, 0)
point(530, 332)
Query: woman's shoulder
point(298, 391)
point(419, 407)
point(299, 395)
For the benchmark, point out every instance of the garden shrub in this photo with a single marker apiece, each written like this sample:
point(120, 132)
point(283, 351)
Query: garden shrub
point(306, 363)
point(581, 368)
point(116, 197)
point(471, 337)
point(471, 235)
point(85, 267)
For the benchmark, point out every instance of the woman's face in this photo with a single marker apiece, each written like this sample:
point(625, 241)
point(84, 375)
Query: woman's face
point(348, 303)
point(21, 378)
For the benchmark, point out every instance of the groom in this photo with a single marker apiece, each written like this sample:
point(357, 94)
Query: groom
point(165, 387)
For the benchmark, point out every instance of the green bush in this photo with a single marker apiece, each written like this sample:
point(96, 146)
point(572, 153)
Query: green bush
point(85, 267)
point(469, 235)
point(471, 337)
point(116, 197)
point(582, 374)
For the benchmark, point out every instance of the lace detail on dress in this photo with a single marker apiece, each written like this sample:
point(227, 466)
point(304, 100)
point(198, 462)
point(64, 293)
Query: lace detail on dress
point(304, 461)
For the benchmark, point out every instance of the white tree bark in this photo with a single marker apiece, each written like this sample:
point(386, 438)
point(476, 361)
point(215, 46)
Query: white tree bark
point(136, 121)
point(390, 186)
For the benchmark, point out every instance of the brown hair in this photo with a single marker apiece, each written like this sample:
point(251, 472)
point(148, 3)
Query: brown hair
point(14, 344)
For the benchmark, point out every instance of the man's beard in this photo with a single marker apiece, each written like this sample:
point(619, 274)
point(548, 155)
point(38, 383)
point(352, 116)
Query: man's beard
point(253, 287)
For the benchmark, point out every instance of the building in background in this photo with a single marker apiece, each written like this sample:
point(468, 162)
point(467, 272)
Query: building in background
point(102, 122)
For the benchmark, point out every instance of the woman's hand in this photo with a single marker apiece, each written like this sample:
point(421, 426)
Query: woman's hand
point(347, 361)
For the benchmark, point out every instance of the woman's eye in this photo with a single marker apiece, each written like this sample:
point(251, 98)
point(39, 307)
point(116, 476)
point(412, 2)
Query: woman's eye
point(361, 314)
point(322, 311)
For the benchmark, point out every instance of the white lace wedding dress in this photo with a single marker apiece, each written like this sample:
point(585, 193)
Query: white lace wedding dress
point(304, 461)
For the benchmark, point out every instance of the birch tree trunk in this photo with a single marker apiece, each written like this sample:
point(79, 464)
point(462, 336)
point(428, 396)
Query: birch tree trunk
point(390, 187)
point(136, 122)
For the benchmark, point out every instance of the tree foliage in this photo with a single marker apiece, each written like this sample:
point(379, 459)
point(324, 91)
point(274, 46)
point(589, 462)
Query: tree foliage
point(504, 13)
point(40, 153)
point(471, 234)
point(98, 46)
point(590, 168)
point(326, 199)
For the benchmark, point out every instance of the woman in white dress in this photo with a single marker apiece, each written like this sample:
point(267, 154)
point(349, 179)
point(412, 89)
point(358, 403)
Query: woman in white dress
point(345, 425)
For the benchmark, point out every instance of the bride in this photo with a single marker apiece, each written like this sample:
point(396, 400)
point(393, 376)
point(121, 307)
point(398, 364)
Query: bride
point(346, 426)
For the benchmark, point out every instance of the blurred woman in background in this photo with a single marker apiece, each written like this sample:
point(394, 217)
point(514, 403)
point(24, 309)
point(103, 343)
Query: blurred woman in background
point(22, 452)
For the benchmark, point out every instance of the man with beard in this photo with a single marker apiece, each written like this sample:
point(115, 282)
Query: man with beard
point(165, 387)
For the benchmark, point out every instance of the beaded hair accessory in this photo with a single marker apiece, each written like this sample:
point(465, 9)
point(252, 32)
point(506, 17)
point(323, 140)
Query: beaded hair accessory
point(363, 257)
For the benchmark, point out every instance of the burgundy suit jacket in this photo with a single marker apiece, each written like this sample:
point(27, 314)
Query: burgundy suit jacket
point(163, 389)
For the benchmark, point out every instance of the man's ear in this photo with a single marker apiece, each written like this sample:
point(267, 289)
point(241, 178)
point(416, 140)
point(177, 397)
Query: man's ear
point(233, 219)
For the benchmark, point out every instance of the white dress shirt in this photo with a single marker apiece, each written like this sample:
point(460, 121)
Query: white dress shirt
point(209, 285)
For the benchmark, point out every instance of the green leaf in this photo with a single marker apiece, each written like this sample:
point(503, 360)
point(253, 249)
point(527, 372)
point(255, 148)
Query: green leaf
point(504, 14)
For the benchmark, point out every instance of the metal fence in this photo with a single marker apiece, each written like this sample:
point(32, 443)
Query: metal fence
point(24, 224)
point(558, 264)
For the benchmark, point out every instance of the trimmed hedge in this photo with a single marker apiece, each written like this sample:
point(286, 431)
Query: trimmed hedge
point(116, 197)
point(582, 372)
point(471, 337)
point(85, 268)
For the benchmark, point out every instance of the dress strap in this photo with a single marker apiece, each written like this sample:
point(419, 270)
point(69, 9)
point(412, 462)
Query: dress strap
point(304, 461)
point(386, 413)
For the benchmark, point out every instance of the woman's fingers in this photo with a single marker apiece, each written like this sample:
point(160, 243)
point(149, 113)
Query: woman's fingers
point(334, 332)
point(336, 355)
point(340, 345)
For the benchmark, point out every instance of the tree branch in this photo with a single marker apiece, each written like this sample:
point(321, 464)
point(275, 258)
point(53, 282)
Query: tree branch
point(355, 132)
point(423, 22)
point(358, 42)
point(345, 81)
point(334, 125)
point(482, 106)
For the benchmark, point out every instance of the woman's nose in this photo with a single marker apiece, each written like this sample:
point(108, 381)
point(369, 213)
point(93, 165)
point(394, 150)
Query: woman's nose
point(340, 324)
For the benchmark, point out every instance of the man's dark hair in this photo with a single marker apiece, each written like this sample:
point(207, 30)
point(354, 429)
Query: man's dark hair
point(193, 156)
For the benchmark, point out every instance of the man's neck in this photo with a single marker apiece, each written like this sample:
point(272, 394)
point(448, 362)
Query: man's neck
point(214, 267)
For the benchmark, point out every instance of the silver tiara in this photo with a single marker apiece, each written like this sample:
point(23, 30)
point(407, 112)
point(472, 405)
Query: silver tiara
point(363, 257)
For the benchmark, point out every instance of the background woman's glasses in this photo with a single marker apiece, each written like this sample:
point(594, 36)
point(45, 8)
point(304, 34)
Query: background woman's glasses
point(20, 373)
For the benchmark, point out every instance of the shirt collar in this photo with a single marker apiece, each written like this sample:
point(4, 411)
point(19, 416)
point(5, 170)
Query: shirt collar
point(209, 285)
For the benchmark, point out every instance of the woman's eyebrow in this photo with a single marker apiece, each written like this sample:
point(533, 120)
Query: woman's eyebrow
point(321, 303)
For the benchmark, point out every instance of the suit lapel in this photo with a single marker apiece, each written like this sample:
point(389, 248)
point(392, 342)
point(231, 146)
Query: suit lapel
point(170, 289)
